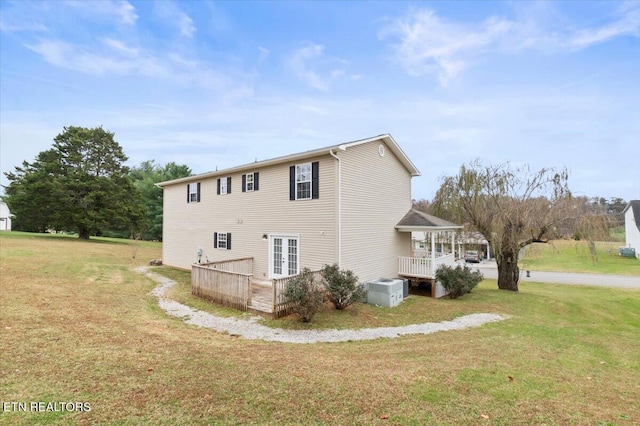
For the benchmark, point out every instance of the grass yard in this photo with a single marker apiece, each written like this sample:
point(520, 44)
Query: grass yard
point(575, 256)
point(77, 324)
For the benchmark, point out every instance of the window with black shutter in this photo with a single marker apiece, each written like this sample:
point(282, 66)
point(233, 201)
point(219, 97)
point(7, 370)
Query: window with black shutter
point(304, 182)
point(222, 240)
point(224, 186)
point(193, 193)
point(250, 182)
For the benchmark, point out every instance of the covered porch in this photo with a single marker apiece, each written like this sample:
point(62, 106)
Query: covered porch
point(433, 246)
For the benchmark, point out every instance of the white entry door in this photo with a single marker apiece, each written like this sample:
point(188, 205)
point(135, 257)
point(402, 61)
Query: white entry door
point(283, 255)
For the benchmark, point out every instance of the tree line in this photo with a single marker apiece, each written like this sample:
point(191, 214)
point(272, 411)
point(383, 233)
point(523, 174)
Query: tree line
point(81, 185)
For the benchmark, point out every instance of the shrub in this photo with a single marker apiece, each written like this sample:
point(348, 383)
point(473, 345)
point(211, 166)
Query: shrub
point(342, 286)
point(458, 281)
point(305, 294)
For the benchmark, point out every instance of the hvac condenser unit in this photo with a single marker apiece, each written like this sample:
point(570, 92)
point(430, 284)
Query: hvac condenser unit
point(385, 292)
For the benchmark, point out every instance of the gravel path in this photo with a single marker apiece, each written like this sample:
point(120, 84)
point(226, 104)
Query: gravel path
point(251, 329)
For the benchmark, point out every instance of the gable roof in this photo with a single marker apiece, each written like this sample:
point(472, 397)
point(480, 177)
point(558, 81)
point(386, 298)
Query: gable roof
point(416, 220)
point(635, 206)
point(391, 143)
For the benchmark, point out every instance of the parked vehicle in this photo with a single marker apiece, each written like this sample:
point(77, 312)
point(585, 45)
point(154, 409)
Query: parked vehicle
point(472, 256)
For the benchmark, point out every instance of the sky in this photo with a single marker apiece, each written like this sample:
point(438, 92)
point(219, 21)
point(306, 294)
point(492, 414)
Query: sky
point(217, 84)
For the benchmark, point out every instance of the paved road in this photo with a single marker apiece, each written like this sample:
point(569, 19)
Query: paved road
point(489, 270)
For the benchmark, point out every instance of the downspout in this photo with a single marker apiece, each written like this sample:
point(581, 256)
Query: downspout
point(339, 208)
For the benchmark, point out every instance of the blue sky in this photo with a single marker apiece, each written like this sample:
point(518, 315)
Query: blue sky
point(219, 84)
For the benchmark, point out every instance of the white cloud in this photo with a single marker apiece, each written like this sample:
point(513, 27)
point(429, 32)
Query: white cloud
point(121, 10)
point(312, 67)
point(171, 15)
point(116, 57)
point(428, 44)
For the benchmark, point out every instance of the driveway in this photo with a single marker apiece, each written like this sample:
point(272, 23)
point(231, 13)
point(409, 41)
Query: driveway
point(489, 270)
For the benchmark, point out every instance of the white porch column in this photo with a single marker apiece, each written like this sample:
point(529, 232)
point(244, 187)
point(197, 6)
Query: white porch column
point(453, 244)
point(433, 252)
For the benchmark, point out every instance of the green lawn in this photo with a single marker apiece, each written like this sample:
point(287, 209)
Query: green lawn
point(77, 324)
point(575, 256)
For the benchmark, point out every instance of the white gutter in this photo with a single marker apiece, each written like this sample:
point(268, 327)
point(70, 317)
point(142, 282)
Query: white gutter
point(339, 206)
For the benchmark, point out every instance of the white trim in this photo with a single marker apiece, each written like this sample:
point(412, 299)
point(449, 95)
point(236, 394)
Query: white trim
point(339, 208)
point(223, 181)
point(246, 183)
point(193, 192)
point(304, 181)
point(225, 241)
point(283, 236)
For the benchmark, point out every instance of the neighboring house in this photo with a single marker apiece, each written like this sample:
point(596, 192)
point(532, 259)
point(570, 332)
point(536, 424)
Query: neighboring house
point(472, 240)
point(464, 241)
point(632, 225)
point(348, 204)
point(5, 217)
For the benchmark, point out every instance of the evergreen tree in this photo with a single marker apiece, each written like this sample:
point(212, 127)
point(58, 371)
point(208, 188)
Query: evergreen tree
point(80, 184)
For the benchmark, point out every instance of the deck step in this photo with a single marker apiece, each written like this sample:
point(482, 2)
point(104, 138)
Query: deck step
point(261, 306)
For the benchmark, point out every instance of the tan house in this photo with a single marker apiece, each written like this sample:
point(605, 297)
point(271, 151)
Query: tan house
point(341, 204)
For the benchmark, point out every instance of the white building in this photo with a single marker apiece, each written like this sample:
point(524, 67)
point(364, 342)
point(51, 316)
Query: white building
point(632, 225)
point(5, 217)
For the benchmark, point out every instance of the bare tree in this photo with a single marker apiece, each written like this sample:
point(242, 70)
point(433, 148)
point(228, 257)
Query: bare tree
point(511, 207)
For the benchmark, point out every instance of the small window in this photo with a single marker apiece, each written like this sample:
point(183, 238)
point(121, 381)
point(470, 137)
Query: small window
point(224, 186)
point(250, 182)
point(303, 181)
point(222, 240)
point(193, 193)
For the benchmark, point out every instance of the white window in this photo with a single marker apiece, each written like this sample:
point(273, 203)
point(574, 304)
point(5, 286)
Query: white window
point(250, 181)
point(222, 240)
point(193, 190)
point(223, 186)
point(303, 181)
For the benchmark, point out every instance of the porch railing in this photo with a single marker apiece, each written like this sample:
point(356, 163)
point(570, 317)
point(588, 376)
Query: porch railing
point(280, 306)
point(422, 267)
point(224, 282)
point(243, 265)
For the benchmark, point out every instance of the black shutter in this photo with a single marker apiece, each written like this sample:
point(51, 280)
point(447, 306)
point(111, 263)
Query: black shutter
point(292, 182)
point(215, 240)
point(244, 183)
point(255, 181)
point(218, 186)
point(188, 194)
point(229, 241)
point(229, 185)
point(198, 191)
point(315, 183)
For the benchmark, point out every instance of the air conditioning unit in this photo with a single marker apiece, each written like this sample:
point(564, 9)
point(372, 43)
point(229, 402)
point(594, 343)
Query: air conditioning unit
point(385, 292)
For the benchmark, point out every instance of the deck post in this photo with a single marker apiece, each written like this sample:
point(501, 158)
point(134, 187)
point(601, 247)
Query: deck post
point(433, 254)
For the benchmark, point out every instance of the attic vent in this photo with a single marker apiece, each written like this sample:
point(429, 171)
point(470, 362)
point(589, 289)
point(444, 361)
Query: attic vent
point(381, 150)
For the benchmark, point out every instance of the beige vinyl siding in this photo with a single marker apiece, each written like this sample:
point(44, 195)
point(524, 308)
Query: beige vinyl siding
point(376, 194)
point(249, 215)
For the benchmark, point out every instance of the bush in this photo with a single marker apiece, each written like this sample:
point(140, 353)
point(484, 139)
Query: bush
point(305, 294)
point(458, 281)
point(342, 286)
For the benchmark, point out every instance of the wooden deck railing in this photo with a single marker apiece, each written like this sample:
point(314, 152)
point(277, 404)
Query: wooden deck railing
point(422, 267)
point(280, 306)
point(243, 265)
point(212, 281)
